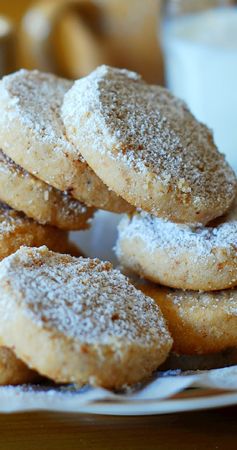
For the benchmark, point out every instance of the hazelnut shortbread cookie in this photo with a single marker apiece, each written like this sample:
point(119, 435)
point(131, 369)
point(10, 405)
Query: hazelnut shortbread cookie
point(147, 147)
point(16, 230)
point(13, 371)
point(39, 201)
point(79, 320)
point(199, 322)
point(178, 255)
point(32, 134)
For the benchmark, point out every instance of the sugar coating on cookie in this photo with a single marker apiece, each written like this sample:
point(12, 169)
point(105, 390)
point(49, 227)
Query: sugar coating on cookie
point(16, 230)
point(178, 255)
point(13, 371)
point(199, 322)
point(32, 134)
point(39, 201)
point(79, 320)
point(146, 145)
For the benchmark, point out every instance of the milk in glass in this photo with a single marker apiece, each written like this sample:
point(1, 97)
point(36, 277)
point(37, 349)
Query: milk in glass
point(201, 67)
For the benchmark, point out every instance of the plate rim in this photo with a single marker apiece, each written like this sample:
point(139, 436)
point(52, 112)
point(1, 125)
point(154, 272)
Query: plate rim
point(141, 408)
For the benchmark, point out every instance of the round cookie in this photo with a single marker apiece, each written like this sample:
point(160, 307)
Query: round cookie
point(43, 203)
point(13, 371)
point(199, 322)
point(147, 147)
point(32, 134)
point(16, 230)
point(79, 320)
point(180, 256)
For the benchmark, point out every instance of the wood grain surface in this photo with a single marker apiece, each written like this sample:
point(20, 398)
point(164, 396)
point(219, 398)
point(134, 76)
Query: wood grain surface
point(205, 430)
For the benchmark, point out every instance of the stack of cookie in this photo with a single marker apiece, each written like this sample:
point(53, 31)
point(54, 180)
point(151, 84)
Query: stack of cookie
point(41, 175)
point(110, 141)
point(146, 146)
point(69, 319)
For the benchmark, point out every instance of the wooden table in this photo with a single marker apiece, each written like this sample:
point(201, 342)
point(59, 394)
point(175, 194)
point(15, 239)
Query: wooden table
point(206, 430)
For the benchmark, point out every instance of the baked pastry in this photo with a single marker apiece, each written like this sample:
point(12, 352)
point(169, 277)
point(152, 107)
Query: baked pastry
point(32, 134)
point(199, 322)
point(13, 371)
point(16, 230)
point(79, 320)
point(147, 147)
point(196, 361)
point(180, 256)
point(39, 201)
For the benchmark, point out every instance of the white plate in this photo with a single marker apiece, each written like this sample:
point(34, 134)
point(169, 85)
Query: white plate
point(12, 401)
point(99, 240)
point(162, 407)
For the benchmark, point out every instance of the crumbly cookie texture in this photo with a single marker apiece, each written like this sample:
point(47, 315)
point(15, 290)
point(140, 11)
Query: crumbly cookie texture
point(79, 320)
point(13, 371)
point(199, 322)
point(39, 201)
point(17, 230)
point(32, 134)
point(146, 145)
point(180, 256)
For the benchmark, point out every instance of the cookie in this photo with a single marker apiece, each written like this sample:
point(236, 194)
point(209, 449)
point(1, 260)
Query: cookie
point(147, 147)
point(197, 361)
point(39, 201)
point(32, 134)
point(16, 230)
point(13, 371)
point(180, 256)
point(199, 322)
point(78, 320)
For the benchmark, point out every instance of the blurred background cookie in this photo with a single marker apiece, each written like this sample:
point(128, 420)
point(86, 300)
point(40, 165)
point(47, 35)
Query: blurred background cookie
point(82, 34)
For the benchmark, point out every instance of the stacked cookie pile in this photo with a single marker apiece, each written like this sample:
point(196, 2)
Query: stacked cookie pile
point(70, 319)
point(41, 175)
point(147, 146)
point(110, 141)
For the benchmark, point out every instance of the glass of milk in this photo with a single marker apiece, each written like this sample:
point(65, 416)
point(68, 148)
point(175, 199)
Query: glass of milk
point(200, 50)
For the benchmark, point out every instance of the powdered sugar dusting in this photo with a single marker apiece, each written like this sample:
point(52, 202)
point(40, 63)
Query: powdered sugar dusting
point(189, 302)
point(151, 131)
point(31, 102)
point(201, 241)
point(36, 98)
point(85, 299)
point(10, 220)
